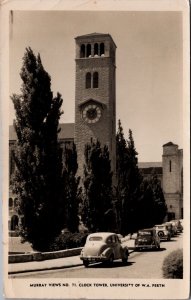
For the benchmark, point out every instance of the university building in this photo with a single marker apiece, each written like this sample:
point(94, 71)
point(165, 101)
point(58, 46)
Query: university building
point(95, 118)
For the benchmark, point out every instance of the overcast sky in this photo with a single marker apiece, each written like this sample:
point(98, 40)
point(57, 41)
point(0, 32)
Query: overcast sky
point(148, 60)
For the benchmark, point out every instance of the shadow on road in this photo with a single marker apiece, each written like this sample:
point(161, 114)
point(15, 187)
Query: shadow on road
point(150, 250)
point(172, 240)
point(115, 264)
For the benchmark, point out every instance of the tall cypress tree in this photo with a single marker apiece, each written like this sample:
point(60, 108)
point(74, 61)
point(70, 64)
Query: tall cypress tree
point(97, 212)
point(37, 180)
point(72, 191)
point(128, 180)
point(152, 207)
point(121, 172)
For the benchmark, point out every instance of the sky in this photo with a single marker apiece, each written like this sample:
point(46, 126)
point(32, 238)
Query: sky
point(149, 93)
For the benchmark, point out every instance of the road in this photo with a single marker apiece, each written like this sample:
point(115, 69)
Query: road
point(144, 264)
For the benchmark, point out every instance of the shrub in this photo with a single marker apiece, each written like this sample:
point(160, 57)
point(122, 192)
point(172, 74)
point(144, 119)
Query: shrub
point(173, 265)
point(68, 240)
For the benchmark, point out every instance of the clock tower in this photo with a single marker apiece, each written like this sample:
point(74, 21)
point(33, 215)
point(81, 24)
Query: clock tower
point(95, 99)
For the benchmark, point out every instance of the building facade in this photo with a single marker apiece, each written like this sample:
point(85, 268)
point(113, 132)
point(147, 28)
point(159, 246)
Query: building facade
point(95, 119)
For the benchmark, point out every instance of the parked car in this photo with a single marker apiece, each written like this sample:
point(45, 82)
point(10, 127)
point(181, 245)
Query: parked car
point(170, 227)
point(147, 238)
point(103, 247)
point(178, 225)
point(182, 223)
point(163, 232)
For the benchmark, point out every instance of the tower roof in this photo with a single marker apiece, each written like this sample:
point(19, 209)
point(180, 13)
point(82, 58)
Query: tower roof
point(169, 144)
point(95, 34)
point(92, 34)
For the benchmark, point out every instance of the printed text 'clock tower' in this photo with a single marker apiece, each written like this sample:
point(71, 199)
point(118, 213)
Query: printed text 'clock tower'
point(95, 99)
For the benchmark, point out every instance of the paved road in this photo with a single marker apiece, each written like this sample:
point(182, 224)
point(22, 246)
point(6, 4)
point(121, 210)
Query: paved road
point(144, 264)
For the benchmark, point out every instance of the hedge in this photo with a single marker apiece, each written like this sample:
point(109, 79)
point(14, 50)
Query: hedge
point(173, 265)
point(68, 241)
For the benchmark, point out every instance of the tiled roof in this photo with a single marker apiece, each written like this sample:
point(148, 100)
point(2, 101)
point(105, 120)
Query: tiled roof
point(152, 170)
point(143, 165)
point(67, 132)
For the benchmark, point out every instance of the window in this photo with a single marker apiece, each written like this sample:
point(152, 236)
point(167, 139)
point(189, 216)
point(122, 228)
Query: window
point(96, 49)
point(109, 240)
point(82, 51)
point(95, 238)
point(14, 222)
point(170, 166)
point(88, 50)
point(102, 49)
point(88, 80)
point(95, 80)
point(10, 202)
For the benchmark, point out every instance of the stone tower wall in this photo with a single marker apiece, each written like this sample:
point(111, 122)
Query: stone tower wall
point(103, 130)
point(172, 163)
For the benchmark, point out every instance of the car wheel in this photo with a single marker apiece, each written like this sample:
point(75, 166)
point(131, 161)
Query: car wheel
point(86, 263)
point(161, 234)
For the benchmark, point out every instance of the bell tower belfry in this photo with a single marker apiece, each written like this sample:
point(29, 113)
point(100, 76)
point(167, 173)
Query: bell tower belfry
point(95, 94)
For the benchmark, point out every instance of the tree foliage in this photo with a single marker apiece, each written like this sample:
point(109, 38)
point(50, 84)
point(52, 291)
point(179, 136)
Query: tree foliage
point(37, 180)
point(128, 180)
point(152, 207)
point(72, 192)
point(97, 212)
point(140, 202)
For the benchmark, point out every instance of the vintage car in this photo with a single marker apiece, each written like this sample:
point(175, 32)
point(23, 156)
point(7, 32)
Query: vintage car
point(171, 228)
point(103, 247)
point(147, 239)
point(177, 224)
point(163, 232)
point(182, 223)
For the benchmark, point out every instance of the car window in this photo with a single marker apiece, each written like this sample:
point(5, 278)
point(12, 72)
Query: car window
point(145, 233)
point(109, 240)
point(95, 238)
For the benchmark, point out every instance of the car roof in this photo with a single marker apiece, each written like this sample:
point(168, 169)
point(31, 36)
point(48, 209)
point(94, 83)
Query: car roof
point(147, 229)
point(102, 234)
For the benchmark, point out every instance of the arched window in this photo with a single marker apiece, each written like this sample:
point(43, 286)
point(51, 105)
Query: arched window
point(88, 50)
point(10, 202)
point(14, 222)
point(95, 49)
point(88, 80)
point(95, 80)
point(102, 49)
point(170, 166)
point(82, 51)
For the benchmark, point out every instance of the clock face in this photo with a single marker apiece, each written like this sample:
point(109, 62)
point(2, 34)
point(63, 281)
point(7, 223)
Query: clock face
point(91, 113)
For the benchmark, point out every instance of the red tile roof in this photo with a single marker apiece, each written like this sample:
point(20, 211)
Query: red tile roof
point(66, 133)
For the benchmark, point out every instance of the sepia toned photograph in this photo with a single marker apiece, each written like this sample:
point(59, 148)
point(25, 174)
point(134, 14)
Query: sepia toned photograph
point(96, 150)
